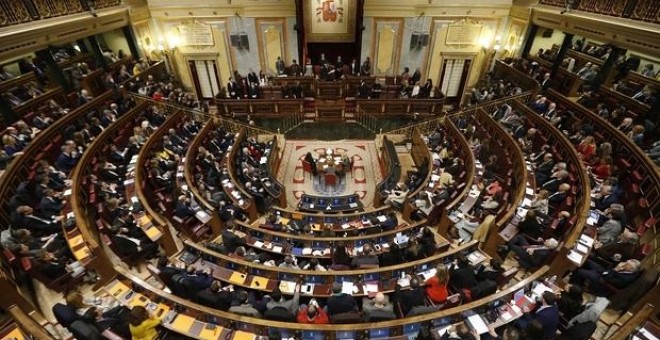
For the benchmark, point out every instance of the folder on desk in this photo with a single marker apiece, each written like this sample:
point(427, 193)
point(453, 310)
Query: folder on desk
point(210, 332)
point(288, 287)
point(259, 282)
point(182, 323)
point(81, 253)
point(117, 289)
point(153, 233)
point(316, 227)
point(75, 241)
point(241, 335)
point(144, 220)
point(476, 323)
point(284, 220)
point(237, 278)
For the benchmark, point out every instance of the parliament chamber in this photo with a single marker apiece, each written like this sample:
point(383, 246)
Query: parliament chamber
point(330, 169)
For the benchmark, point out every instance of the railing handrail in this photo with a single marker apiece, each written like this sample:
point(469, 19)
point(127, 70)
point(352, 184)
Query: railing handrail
point(235, 126)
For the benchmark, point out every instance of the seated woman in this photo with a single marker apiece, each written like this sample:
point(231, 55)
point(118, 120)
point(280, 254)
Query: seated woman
point(340, 257)
point(436, 287)
point(540, 203)
point(142, 324)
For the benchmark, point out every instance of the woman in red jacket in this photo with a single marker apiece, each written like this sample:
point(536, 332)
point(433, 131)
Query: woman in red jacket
point(312, 314)
point(587, 148)
point(436, 287)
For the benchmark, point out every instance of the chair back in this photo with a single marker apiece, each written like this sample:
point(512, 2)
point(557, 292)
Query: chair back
point(330, 179)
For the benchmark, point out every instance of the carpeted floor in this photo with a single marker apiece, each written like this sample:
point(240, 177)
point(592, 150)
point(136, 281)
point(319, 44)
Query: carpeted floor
point(362, 181)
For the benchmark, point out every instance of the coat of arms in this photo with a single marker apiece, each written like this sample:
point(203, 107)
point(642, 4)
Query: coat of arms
point(330, 10)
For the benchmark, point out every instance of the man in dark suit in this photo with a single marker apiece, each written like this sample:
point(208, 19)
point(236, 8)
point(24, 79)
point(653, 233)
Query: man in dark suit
point(51, 204)
point(545, 83)
point(230, 240)
point(232, 89)
point(546, 313)
point(462, 276)
point(625, 247)
point(558, 197)
point(24, 218)
point(279, 66)
point(253, 78)
point(215, 297)
point(183, 209)
point(340, 302)
point(355, 67)
point(530, 255)
point(622, 275)
point(544, 170)
point(606, 198)
point(294, 69)
point(411, 298)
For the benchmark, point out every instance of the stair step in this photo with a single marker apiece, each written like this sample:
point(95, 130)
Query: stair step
point(309, 121)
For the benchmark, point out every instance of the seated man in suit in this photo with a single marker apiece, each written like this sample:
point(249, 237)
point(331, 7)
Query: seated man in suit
point(230, 240)
point(546, 313)
point(340, 302)
point(51, 204)
point(605, 198)
point(378, 308)
point(461, 276)
point(391, 222)
point(529, 255)
point(215, 297)
point(622, 275)
point(367, 258)
point(183, 209)
point(24, 218)
point(131, 241)
point(621, 250)
point(411, 298)
point(609, 232)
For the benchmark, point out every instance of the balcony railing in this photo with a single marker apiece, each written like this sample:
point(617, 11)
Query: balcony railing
point(19, 11)
point(643, 10)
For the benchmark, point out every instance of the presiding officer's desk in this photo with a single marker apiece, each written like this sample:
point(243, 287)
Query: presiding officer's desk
point(194, 317)
point(239, 272)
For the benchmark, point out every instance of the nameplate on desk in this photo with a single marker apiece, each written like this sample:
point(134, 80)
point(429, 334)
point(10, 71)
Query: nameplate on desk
point(353, 205)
